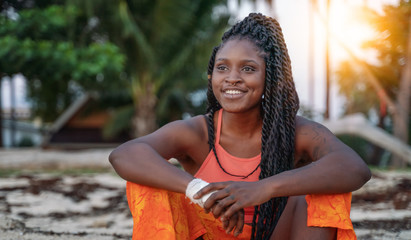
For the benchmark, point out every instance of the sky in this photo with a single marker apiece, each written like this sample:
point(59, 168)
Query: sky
point(293, 17)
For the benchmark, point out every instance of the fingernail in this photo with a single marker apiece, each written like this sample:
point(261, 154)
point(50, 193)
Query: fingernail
point(195, 195)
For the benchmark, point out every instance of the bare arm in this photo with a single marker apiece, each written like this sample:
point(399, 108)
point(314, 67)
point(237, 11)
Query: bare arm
point(144, 160)
point(334, 167)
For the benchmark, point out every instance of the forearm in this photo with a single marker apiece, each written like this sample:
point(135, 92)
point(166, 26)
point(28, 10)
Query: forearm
point(334, 173)
point(140, 164)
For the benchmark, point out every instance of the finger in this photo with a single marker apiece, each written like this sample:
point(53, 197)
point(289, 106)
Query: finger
point(213, 202)
point(221, 206)
point(209, 188)
point(232, 222)
point(217, 199)
point(240, 223)
point(225, 223)
point(232, 209)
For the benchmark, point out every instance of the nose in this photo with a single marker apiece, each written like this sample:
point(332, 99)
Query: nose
point(233, 78)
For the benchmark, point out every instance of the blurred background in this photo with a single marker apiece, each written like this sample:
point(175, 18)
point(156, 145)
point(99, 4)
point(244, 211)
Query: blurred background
point(80, 77)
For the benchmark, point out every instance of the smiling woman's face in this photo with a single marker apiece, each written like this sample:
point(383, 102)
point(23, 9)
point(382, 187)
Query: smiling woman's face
point(238, 76)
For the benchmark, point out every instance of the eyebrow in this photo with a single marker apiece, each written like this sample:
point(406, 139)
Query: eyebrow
point(245, 60)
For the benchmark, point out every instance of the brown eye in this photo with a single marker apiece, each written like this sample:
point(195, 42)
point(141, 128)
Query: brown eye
point(248, 69)
point(222, 68)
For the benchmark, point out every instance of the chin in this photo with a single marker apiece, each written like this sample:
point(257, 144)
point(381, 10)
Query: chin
point(239, 109)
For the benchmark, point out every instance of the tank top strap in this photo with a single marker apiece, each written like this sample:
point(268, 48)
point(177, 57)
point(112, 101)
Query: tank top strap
point(219, 121)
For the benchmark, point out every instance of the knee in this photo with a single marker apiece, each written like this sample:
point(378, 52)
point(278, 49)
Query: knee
point(293, 218)
point(299, 204)
point(300, 229)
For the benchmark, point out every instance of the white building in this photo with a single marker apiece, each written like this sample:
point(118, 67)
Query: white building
point(19, 131)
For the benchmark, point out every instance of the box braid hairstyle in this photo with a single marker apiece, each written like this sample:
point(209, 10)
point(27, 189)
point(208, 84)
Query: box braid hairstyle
point(279, 107)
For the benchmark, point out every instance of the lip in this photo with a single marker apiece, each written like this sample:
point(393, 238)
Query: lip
point(232, 93)
point(225, 89)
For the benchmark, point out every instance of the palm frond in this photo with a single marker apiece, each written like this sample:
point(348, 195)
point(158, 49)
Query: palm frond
point(119, 122)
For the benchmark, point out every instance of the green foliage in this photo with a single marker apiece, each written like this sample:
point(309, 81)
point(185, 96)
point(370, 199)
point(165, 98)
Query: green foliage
point(359, 145)
point(390, 47)
point(158, 49)
point(167, 45)
point(120, 121)
point(360, 95)
point(38, 45)
point(26, 141)
point(36, 24)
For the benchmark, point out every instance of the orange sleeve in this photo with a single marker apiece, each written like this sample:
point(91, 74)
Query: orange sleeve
point(331, 210)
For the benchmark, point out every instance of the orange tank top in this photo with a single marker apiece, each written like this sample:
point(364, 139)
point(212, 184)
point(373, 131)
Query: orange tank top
point(210, 171)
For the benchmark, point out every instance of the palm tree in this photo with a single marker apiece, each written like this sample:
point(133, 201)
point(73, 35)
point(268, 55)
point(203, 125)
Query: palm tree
point(383, 87)
point(167, 45)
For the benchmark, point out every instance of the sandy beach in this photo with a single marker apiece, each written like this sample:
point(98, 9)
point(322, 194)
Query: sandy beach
point(76, 195)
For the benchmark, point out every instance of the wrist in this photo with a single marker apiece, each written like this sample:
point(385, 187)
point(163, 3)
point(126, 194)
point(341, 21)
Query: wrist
point(275, 186)
point(193, 187)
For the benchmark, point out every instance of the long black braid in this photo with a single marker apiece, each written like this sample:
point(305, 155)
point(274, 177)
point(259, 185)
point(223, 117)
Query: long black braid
point(279, 109)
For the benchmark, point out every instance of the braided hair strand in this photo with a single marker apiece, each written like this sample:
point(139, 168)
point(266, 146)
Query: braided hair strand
point(279, 109)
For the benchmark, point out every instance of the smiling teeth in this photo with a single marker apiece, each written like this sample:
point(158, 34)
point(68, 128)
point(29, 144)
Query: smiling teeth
point(232, 92)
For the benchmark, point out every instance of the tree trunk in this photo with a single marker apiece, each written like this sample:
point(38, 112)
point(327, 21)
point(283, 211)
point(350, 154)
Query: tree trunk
point(1, 112)
point(377, 151)
point(401, 118)
point(144, 121)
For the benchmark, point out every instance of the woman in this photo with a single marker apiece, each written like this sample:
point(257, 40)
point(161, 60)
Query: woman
point(275, 175)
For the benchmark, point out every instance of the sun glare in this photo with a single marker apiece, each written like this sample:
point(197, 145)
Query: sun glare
point(348, 27)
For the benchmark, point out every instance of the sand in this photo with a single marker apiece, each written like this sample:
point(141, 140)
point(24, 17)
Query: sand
point(38, 202)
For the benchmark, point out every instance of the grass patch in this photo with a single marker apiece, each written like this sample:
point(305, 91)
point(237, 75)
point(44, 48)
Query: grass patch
point(4, 173)
point(389, 169)
point(9, 172)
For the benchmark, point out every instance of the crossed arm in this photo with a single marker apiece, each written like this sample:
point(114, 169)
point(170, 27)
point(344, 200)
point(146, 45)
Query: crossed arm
point(324, 157)
point(144, 160)
point(329, 167)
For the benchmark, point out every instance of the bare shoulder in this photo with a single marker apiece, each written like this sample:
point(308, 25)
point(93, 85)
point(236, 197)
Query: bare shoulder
point(309, 128)
point(314, 140)
point(179, 139)
point(197, 124)
point(195, 127)
point(181, 130)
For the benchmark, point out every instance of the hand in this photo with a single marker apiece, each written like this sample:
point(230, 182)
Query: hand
point(231, 197)
point(235, 223)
